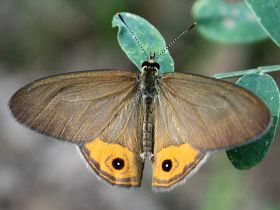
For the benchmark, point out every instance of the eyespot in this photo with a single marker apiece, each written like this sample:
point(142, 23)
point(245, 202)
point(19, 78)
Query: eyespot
point(166, 165)
point(118, 163)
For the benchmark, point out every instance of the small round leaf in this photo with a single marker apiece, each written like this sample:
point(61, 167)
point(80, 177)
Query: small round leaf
point(265, 87)
point(268, 13)
point(149, 37)
point(227, 22)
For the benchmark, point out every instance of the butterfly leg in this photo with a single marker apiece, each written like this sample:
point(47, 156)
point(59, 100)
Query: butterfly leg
point(147, 155)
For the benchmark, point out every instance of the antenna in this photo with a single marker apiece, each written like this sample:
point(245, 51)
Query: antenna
point(133, 35)
point(176, 38)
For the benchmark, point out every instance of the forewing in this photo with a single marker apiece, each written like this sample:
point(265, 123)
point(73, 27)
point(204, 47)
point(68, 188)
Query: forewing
point(206, 113)
point(96, 109)
point(75, 107)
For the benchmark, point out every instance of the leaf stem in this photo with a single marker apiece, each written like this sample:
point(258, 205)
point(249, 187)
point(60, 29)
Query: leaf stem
point(260, 70)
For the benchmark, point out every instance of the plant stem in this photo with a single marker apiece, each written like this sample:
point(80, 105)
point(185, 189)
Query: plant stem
point(260, 70)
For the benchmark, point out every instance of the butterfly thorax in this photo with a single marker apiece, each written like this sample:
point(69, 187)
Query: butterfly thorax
point(148, 80)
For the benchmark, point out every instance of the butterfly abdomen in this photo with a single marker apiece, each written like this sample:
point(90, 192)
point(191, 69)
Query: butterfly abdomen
point(148, 127)
point(148, 92)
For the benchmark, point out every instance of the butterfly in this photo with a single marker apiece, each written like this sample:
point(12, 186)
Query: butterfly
point(121, 118)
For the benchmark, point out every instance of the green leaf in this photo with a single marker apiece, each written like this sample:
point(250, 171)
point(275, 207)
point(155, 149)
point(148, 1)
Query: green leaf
point(149, 37)
point(227, 22)
point(265, 87)
point(268, 13)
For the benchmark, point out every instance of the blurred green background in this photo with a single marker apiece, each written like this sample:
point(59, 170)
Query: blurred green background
point(40, 38)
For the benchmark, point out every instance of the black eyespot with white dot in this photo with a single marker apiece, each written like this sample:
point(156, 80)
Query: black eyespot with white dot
point(118, 163)
point(166, 165)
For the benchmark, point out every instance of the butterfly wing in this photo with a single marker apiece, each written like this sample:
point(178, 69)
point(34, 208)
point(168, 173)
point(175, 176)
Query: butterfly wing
point(211, 114)
point(94, 109)
point(119, 162)
point(75, 107)
point(201, 114)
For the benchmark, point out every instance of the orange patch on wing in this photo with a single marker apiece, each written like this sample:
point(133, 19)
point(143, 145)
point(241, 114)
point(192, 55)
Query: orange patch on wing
point(105, 157)
point(173, 163)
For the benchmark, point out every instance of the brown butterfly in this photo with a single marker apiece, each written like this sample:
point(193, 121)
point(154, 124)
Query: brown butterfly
point(121, 118)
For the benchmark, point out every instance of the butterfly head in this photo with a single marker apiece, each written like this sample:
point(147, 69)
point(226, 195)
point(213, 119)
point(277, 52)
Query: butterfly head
point(151, 65)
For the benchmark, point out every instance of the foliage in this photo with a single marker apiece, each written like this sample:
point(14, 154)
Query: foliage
point(268, 14)
point(238, 22)
point(227, 22)
point(149, 37)
point(265, 87)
